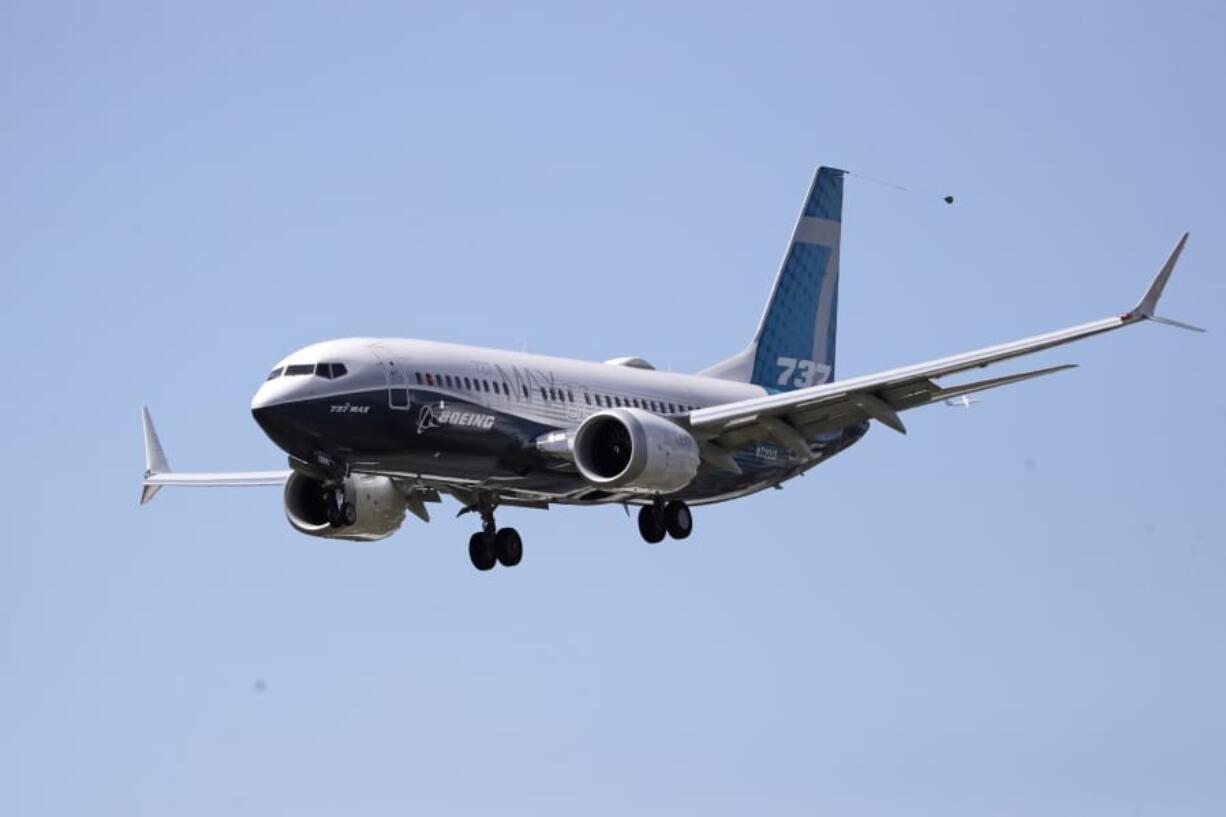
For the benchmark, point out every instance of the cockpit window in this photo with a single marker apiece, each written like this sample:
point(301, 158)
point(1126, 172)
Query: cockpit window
point(300, 368)
point(274, 374)
point(331, 370)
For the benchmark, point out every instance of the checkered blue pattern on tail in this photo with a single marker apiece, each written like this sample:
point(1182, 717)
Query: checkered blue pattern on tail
point(794, 345)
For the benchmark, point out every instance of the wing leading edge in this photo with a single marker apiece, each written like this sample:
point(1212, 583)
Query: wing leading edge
point(881, 396)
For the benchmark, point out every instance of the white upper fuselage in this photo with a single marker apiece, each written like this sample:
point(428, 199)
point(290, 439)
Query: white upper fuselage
point(551, 390)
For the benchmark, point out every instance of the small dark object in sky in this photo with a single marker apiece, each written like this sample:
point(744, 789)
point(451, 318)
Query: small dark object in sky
point(260, 686)
point(949, 199)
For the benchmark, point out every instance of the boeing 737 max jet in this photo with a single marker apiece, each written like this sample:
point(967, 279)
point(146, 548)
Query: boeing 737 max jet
point(375, 428)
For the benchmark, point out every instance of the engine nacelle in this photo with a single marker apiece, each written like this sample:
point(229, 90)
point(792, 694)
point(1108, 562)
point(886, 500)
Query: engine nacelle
point(379, 503)
point(635, 450)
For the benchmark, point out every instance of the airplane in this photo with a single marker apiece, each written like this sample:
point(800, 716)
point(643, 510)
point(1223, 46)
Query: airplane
point(375, 428)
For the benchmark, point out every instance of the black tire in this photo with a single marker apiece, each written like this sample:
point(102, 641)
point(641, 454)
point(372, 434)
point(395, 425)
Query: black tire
point(349, 514)
point(334, 514)
point(509, 547)
point(678, 520)
point(481, 551)
point(651, 525)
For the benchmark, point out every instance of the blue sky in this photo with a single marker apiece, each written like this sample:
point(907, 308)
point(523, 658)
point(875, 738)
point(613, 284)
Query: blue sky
point(1016, 609)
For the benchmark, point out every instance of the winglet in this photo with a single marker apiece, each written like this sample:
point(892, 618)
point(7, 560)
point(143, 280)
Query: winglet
point(155, 457)
point(1145, 309)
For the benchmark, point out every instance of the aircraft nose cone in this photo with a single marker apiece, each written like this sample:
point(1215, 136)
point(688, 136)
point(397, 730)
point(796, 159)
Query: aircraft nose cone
point(282, 424)
point(278, 411)
point(262, 398)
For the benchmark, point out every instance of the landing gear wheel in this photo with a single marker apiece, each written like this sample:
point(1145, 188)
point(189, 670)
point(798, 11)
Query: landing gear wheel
point(678, 520)
point(349, 514)
point(509, 547)
point(334, 515)
point(481, 551)
point(651, 524)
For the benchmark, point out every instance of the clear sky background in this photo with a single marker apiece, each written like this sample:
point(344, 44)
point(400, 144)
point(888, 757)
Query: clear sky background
point(1016, 609)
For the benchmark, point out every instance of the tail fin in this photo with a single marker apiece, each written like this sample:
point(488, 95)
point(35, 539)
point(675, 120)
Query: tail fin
point(794, 345)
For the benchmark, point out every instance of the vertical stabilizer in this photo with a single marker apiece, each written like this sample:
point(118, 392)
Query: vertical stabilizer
point(794, 345)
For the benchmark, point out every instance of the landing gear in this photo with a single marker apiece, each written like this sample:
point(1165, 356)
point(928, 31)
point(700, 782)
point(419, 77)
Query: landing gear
point(660, 518)
point(508, 547)
point(678, 520)
point(492, 545)
point(481, 551)
point(341, 513)
point(651, 524)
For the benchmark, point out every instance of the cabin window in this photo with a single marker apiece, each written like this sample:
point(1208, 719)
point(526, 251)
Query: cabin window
point(274, 374)
point(299, 368)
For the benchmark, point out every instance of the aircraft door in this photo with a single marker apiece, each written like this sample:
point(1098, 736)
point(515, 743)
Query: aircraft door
point(396, 377)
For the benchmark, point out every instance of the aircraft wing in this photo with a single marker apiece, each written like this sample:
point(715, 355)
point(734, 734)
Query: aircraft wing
point(789, 418)
point(158, 474)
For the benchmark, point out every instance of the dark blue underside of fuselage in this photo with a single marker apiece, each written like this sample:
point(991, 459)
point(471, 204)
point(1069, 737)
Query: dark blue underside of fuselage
point(441, 435)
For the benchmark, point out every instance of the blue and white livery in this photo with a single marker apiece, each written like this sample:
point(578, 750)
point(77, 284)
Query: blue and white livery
point(377, 428)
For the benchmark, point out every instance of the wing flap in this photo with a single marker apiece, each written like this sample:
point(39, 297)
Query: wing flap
point(996, 382)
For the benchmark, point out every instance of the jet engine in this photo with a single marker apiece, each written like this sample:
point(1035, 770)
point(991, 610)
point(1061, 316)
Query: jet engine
point(635, 450)
point(379, 503)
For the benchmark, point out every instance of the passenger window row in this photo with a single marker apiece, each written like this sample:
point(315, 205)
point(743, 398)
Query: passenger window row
point(466, 383)
point(553, 394)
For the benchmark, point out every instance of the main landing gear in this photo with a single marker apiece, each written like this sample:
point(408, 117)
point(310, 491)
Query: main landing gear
point(660, 518)
point(491, 545)
point(341, 513)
